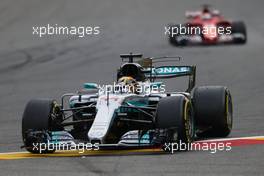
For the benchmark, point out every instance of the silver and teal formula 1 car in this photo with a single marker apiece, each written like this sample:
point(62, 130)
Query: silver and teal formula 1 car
point(136, 111)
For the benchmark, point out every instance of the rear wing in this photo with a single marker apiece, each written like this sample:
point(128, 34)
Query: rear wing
point(163, 72)
point(130, 57)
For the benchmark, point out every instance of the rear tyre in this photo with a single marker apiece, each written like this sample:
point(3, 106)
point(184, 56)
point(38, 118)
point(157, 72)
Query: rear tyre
point(39, 115)
point(173, 39)
point(176, 115)
point(213, 111)
point(239, 27)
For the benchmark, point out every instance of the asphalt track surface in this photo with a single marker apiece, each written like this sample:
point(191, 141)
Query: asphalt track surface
point(50, 66)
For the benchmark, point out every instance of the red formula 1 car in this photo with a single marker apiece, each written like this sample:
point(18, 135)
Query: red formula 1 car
point(206, 27)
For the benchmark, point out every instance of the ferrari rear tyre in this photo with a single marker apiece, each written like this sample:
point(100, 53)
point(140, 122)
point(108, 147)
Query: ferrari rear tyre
point(239, 27)
point(174, 34)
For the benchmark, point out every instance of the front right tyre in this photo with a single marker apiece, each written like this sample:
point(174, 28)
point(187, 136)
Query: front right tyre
point(39, 115)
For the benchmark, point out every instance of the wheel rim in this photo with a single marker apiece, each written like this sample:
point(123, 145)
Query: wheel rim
point(229, 111)
point(189, 122)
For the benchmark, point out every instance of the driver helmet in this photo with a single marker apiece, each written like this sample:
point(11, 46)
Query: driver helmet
point(129, 83)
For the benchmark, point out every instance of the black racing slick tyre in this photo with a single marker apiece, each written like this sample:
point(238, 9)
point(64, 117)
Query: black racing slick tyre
point(175, 113)
point(239, 27)
point(213, 111)
point(39, 115)
point(173, 35)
